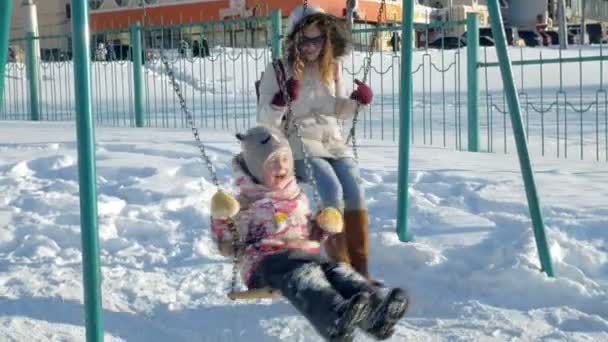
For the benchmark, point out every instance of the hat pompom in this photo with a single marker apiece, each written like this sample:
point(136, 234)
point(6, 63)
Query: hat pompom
point(298, 14)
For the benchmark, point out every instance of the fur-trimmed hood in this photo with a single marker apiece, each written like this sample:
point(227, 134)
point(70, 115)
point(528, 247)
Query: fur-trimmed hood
point(341, 40)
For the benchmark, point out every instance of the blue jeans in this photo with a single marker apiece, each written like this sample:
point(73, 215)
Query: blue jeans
point(337, 182)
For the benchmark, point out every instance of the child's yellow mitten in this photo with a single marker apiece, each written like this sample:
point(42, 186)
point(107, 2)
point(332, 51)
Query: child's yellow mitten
point(224, 205)
point(330, 220)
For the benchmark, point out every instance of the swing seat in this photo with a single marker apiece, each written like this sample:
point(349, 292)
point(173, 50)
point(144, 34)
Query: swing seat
point(261, 293)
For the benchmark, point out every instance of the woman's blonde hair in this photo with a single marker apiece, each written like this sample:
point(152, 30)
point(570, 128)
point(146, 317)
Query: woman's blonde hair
point(337, 42)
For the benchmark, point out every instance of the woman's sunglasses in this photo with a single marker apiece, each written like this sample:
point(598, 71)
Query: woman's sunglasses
point(317, 41)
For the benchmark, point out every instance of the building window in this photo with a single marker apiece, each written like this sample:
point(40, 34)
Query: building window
point(122, 3)
point(68, 11)
point(95, 4)
point(163, 39)
point(150, 2)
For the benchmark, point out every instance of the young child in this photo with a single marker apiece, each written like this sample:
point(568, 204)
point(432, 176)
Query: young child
point(280, 243)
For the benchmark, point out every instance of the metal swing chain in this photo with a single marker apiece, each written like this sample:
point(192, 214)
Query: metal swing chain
point(235, 255)
point(317, 197)
point(188, 112)
point(190, 119)
point(209, 165)
point(291, 121)
point(205, 156)
point(366, 69)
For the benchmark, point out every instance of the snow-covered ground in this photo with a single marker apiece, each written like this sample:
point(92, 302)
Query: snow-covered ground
point(471, 268)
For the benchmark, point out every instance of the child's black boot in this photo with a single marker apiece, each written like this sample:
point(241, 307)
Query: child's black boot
point(330, 314)
point(385, 313)
point(349, 314)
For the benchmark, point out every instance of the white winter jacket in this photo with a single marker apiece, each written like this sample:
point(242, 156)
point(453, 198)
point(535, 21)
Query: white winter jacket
point(317, 111)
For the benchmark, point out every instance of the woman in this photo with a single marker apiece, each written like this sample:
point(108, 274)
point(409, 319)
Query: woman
point(315, 42)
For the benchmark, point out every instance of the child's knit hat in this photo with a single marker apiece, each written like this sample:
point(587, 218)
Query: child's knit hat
point(259, 144)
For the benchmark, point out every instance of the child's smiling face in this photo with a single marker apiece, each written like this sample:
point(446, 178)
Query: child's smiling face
point(278, 170)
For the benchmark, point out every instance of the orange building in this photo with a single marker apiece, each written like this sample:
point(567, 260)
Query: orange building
point(116, 14)
point(109, 20)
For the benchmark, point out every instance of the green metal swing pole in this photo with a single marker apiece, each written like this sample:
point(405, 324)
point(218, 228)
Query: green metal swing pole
point(520, 138)
point(32, 64)
point(275, 22)
point(473, 81)
point(6, 9)
point(138, 77)
point(405, 115)
point(86, 171)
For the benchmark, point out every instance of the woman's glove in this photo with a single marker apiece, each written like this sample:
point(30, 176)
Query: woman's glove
point(224, 206)
point(363, 94)
point(293, 89)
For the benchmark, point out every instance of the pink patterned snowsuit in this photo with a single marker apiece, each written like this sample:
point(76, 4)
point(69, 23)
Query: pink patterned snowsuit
point(269, 221)
point(279, 252)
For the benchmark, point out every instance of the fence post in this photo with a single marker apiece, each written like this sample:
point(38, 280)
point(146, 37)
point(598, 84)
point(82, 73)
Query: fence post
point(85, 133)
point(563, 24)
point(32, 75)
point(405, 115)
point(350, 15)
point(276, 27)
point(6, 9)
point(520, 136)
point(473, 81)
point(138, 79)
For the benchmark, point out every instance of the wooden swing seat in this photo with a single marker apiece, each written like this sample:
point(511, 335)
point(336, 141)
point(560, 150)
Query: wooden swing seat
point(261, 293)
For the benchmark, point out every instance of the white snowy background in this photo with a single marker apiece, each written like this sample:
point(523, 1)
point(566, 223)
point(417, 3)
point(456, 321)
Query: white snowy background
point(471, 266)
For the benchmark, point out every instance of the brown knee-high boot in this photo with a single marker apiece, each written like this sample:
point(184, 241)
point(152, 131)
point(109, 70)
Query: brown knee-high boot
point(356, 228)
point(336, 248)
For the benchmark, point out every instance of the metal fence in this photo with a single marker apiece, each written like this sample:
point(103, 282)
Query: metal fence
point(215, 63)
point(563, 98)
point(439, 84)
point(562, 92)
